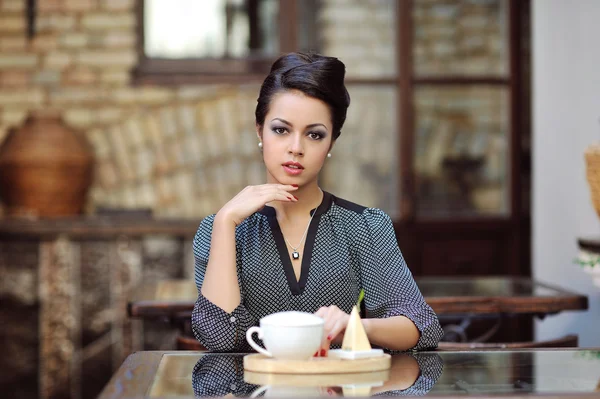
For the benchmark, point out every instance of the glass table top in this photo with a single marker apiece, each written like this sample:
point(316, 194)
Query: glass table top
point(526, 372)
point(432, 287)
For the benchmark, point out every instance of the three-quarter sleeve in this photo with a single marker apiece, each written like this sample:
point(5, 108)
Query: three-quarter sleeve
point(213, 327)
point(390, 289)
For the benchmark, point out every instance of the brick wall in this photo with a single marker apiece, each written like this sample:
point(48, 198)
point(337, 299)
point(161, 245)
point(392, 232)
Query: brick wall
point(184, 150)
point(79, 62)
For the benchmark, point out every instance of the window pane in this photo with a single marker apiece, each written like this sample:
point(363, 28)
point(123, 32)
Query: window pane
point(308, 36)
point(455, 37)
point(362, 34)
point(364, 163)
point(210, 28)
point(462, 151)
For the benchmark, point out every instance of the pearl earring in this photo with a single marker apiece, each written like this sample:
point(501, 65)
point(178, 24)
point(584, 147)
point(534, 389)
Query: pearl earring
point(328, 155)
point(260, 145)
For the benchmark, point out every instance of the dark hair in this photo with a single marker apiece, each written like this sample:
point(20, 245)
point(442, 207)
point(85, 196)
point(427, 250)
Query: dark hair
point(313, 74)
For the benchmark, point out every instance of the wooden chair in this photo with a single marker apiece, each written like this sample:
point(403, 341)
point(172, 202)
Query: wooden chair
point(186, 343)
point(568, 341)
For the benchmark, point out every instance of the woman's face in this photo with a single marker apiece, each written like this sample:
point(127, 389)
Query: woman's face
point(296, 137)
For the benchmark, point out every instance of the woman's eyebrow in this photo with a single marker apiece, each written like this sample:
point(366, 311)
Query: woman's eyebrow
point(307, 126)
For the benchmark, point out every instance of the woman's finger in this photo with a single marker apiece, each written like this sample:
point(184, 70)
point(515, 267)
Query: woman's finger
point(276, 193)
point(335, 331)
point(321, 312)
point(253, 198)
point(334, 315)
point(279, 196)
point(324, 313)
point(276, 187)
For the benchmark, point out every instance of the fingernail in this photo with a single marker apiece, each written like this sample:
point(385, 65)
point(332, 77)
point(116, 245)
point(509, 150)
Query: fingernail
point(294, 185)
point(295, 197)
point(323, 352)
point(290, 198)
point(329, 337)
point(316, 354)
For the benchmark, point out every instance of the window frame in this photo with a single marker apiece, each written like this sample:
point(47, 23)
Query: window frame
point(166, 71)
point(253, 70)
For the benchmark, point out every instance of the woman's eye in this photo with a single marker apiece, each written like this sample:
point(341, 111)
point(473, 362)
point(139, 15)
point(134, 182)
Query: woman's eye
point(315, 135)
point(279, 130)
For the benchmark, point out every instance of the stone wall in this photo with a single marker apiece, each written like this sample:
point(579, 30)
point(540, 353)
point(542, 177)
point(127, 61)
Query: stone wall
point(63, 307)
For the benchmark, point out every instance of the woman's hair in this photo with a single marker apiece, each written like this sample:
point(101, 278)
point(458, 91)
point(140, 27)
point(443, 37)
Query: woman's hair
point(314, 75)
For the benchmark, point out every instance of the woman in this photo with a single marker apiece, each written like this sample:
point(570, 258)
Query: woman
point(288, 245)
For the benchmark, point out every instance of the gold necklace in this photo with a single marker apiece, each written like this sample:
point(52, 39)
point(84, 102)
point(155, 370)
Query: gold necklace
point(295, 253)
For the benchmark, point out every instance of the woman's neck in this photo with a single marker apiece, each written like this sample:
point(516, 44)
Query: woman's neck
point(309, 198)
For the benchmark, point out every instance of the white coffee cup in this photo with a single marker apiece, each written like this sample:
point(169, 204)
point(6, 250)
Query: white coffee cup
point(288, 335)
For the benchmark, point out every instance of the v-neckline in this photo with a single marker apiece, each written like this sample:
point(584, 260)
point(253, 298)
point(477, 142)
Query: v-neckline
point(297, 285)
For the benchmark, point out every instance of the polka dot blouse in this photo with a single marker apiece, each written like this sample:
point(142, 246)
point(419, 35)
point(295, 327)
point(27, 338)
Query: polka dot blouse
point(348, 248)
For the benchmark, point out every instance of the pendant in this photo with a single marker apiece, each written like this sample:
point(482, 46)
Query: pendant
point(295, 255)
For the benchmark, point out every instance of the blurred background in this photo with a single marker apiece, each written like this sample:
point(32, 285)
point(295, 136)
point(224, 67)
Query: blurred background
point(124, 122)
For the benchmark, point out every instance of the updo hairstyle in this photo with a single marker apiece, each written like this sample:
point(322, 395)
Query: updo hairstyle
point(314, 75)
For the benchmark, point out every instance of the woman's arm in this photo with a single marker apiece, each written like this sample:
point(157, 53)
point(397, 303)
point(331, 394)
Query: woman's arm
point(219, 319)
point(391, 292)
point(397, 333)
point(215, 328)
point(220, 284)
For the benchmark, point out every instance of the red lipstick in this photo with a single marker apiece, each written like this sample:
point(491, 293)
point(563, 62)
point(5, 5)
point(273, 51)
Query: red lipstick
point(293, 168)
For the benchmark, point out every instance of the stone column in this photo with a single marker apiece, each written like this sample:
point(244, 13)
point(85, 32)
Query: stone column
point(125, 264)
point(59, 319)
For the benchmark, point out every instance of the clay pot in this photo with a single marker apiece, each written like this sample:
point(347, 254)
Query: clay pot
point(45, 168)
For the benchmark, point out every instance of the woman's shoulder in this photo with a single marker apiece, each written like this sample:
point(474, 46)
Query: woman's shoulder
point(352, 210)
point(206, 225)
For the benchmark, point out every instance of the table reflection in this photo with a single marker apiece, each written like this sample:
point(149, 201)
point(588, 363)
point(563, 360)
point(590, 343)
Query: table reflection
point(520, 372)
point(410, 374)
point(558, 372)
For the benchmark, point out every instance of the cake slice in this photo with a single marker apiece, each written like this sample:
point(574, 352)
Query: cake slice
point(356, 344)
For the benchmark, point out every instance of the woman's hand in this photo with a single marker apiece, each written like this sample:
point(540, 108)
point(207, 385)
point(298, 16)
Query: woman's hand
point(336, 321)
point(253, 198)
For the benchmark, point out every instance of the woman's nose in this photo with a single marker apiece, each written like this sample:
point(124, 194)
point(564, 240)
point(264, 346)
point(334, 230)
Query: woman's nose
point(296, 145)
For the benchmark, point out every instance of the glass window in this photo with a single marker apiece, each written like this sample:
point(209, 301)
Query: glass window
point(210, 28)
point(362, 33)
point(364, 163)
point(462, 151)
point(455, 37)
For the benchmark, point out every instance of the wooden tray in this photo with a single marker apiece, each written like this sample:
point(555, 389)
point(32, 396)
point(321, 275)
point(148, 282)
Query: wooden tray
point(317, 365)
point(373, 378)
